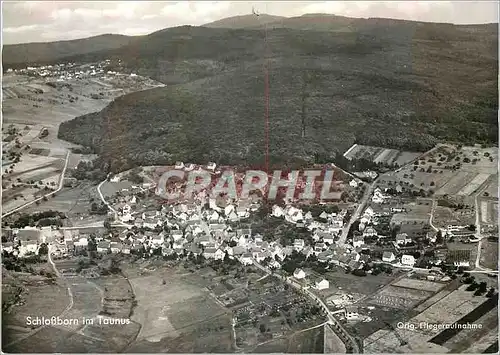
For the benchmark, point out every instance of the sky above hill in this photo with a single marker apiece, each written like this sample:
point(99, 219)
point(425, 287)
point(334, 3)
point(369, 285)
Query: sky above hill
point(43, 21)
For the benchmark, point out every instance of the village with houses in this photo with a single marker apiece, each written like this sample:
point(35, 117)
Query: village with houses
point(382, 247)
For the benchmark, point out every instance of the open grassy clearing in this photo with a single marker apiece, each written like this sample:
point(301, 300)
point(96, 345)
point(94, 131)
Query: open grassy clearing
point(474, 184)
point(166, 309)
point(416, 214)
point(419, 284)
point(87, 300)
point(308, 342)
point(118, 297)
point(339, 280)
point(489, 255)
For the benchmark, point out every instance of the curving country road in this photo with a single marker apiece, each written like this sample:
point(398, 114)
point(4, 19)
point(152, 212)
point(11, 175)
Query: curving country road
point(117, 219)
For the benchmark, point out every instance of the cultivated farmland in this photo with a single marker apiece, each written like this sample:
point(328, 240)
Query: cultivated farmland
point(450, 170)
point(447, 309)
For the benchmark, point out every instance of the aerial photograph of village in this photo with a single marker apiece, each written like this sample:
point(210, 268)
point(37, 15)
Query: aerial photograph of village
point(238, 177)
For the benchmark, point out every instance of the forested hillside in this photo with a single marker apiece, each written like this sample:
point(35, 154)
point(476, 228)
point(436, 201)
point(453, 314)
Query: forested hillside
point(388, 83)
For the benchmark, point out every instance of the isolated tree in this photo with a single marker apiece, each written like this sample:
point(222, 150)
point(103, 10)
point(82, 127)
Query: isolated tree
point(491, 292)
point(44, 249)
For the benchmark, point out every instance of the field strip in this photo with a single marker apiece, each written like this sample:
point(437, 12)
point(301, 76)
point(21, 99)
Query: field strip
point(484, 212)
point(453, 185)
point(473, 185)
point(434, 299)
point(387, 155)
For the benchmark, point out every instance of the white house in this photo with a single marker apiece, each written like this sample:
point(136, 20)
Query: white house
point(126, 218)
point(298, 244)
point(82, 242)
point(214, 217)
point(214, 253)
point(369, 212)
point(324, 215)
point(278, 211)
point(115, 247)
point(322, 284)
point(388, 257)
point(8, 247)
point(408, 260)
point(126, 209)
point(228, 210)
point(211, 166)
point(351, 313)
point(299, 274)
point(242, 212)
point(103, 247)
point(28, 247)
point(353, 183)
point(189, 167)
point(246, 259)
point(179, 165)
point(402, 239)
point(378, 196)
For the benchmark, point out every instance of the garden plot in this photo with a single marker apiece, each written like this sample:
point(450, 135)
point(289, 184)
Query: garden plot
point(416, 214)
point(419, 284)
point(488, 211)
point(492, 188)
point(398, 297)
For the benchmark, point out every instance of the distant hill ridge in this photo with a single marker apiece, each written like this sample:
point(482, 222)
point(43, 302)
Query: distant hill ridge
point(53, 51)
